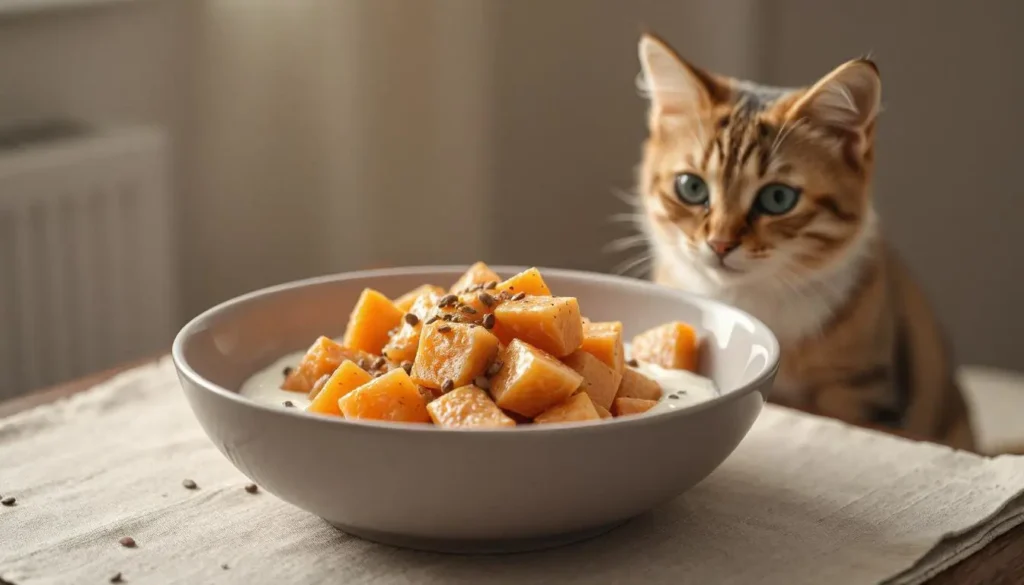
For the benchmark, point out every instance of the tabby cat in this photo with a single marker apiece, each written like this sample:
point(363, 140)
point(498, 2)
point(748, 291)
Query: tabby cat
point(761, 197)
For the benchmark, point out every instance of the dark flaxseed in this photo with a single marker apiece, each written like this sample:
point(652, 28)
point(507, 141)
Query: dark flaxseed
point(486, 299)
point(224, 566)
point(407, 366)
point(673, 396)
point(467, 310)
point(447, 385)
point(519, 296)
point(491, 285)
point(9, 501)
point(117, 578)
point(252, 488)
point(379, 363)
point(189, 484)
point(448, 317)
point(363, 364)
point(287, 371)
point(447, 300)
point(482, 383)
point(432, 319)
point(632, 363)
point(127, 542)
point(488, 321)
point(494, 368)
point(288, 404)
point(411, 319)
point(444, 328)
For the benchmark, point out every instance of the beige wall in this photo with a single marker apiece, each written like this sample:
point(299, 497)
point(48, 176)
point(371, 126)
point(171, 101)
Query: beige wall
point(301, 128)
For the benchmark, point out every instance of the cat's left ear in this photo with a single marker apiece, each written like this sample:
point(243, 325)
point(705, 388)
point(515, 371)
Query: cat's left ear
point(846, 100)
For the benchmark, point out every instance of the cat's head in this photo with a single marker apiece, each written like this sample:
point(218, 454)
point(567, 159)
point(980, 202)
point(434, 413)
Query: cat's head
point(741, 182)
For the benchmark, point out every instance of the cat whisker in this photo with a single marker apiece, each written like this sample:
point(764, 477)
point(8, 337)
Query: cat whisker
point(623, 268)
point(626, 218)
point(630, 198)
point(625, 243)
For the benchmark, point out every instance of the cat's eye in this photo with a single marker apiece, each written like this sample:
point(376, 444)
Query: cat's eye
point(691, 189)
point(776, 199)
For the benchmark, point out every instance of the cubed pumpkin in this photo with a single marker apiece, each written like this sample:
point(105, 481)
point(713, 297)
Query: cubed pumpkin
point(345, 379)
point(402, 345)
point(636, 385)
point(531, 380)
point(321, 359)
point(391, 397)
point(552, 324)
point(405, 302)
point(599, 380)
point(604, 341)
point(478, 273)
point(452, 354)
point(371, 322)
point(576, 408)
point(672, 345)
point(466, 408)
point(630, 406)
point(528, 282)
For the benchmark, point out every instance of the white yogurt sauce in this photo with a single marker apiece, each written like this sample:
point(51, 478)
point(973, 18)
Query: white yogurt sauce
point(680, 388)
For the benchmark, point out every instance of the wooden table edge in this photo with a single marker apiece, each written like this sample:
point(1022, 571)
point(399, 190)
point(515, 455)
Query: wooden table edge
point(1001, 561)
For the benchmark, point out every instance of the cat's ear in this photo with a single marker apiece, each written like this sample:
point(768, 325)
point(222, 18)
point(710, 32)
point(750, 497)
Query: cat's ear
point(673, 85)
point(847, 99)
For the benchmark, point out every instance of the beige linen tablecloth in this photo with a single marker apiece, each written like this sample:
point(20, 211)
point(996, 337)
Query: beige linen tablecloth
point(802, 500)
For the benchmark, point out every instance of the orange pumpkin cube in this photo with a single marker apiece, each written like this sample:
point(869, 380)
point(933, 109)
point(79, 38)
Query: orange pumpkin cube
point(531, 380)
point(345, 379)
point(371, 322)
point(552, 324)
point(467, 407)
point(528, 282)
point(403, 344)
point(452, 354)
point(321, 359)
point(672, 345)
point(604, 341)
point(391, 397)
point(406, 301)
point(636, 385)
point(604, 412)
point(478, 273)
point(600, 382)
point(576, 408)
point(628, 406)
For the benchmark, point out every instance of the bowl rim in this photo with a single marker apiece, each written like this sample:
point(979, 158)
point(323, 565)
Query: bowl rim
point(197, 323)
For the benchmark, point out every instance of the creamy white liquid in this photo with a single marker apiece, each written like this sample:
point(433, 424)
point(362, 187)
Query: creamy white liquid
point(679, 387)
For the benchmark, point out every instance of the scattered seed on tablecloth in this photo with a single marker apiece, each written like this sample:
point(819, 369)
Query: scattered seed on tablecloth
point(289, 403)
point(127, 542)
point(632, 363)
point(252, 488)
point(117, 578)
point(673, 396)
point(287, 371)
point(224, 566)
point(8, 501)
point(189, 484)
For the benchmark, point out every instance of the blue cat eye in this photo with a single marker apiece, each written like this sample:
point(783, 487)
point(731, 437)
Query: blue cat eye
point(776, 199)
point(691, 189)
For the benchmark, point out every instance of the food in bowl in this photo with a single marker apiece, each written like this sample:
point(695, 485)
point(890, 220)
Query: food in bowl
point(486, 353)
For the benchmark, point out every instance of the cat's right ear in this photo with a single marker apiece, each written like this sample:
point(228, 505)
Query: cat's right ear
point(674, 86)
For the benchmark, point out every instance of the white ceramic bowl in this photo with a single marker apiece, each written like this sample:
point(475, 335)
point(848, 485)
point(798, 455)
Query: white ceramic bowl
point(469, 491)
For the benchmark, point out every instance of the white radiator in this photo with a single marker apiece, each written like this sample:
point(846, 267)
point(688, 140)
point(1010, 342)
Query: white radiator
point(86, 260)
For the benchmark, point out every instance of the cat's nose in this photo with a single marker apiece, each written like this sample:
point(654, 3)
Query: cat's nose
point(722, 247)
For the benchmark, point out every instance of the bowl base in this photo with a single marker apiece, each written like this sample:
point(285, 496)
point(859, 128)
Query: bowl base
point(477, 547)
